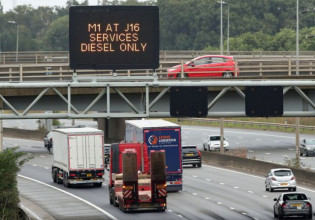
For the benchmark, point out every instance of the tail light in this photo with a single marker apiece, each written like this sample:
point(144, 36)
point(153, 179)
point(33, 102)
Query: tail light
point(161, 186)
point(284, 205)
point(100, 174)
point(293, 178)
point(73, 175)
point(127, 187)
point(199, 154)
point(50, 139)
point(273, 179)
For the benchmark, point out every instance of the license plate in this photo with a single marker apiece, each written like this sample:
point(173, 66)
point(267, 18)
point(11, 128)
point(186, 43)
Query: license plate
point(145, 205)
point(189, 154)
point(283, 184)
point(88, 174)
point(297, 205)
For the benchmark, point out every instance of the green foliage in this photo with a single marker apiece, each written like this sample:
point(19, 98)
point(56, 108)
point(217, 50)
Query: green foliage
point(184, 25)
point(11, 160)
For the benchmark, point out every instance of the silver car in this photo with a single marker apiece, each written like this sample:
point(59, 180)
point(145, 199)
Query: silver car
point(212, 143)
point(307, 147)
point(292, 204)
point(280, 178)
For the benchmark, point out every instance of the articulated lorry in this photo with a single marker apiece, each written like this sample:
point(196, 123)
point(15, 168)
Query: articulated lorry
point(160, 135)
point(135, 182)
point(78, 156)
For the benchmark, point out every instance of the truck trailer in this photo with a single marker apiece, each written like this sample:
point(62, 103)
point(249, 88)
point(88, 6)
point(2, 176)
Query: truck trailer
point(135, 182)
point(160, 135)
point(78, 156)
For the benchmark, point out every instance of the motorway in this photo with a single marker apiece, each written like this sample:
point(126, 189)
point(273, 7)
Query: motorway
point(209, 192)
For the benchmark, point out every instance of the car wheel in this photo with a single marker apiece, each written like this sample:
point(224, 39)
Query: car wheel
point(209, 147)
point(199, 165)
point(204, 147)
point(227, 75)
point(310, 216)
point(270, 189)
point(294, 189)
point(274, 213)
point(306, 154)
point(266, 188)
point(186, 75)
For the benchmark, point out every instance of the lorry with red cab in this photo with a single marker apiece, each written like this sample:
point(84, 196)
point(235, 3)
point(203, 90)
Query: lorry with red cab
point(159, 134)
point(78, 156)
point(137, 182)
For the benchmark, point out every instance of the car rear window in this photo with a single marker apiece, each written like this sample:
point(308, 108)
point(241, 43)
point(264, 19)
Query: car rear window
point(189, 149)
point(295, 197)
point(283, 173)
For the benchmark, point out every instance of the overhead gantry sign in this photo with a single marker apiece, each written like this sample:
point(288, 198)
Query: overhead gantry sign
point(114, 37)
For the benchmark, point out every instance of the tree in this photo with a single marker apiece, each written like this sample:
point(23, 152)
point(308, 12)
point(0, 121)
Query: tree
point(11, 161)
point(56, 36)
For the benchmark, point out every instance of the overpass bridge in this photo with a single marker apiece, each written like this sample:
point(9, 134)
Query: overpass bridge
point(141, 97)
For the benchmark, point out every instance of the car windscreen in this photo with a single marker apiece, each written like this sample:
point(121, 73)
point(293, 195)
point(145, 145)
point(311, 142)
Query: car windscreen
point(189, 149)
point(310, 142)
point(214, 138)
point(283, 173)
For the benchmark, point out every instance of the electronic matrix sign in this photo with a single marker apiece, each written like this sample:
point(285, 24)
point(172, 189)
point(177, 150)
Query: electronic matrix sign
point(114, 37)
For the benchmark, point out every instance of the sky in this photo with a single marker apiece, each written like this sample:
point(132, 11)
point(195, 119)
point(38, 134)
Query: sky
point(10, 4)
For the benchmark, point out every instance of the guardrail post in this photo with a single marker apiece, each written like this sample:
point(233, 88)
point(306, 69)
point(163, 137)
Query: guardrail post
point(10, 74)
point(290, 66)
point(311, 64)
point(3, 58)
point(182, 69)
point(60, 73)
point(260, 68)
point(21, 73)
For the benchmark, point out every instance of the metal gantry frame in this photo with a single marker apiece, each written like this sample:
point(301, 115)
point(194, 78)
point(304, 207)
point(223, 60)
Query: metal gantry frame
point(112, 85)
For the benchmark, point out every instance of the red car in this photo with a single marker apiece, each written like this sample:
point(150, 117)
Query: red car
point(206, 66)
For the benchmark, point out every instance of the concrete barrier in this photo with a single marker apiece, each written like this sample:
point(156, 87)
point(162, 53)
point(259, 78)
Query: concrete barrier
point(257, 167)
point(24, 134)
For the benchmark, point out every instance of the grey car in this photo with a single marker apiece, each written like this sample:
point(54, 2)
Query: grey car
point(292, 204)
point(307, 147)
point(280, 178)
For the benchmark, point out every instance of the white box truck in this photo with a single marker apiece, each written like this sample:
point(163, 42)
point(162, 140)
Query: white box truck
point(78, 156)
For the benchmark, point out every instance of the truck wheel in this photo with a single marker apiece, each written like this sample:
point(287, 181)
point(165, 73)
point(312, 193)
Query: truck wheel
point(65, 180)
point(97, 184)
point(54, 176)
point(121, 207)
point(59, 181)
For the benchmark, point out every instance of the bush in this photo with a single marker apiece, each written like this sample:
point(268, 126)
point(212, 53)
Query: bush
point(11, 161)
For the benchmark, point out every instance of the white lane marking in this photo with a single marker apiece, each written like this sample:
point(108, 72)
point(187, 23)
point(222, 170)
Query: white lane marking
point(219, 203)
point(257, 139)
point(267, 153)
point(250, 192)
point(194, 176)
point(232, 208)
point(170, 210)
point(207, 198)
point(250, 175)
point(235, 187)
point(42, 156)
point(74, 196)
point(195, 194)
point(221, 183)
point(31, 212)
point(208, 179)
point(180, 216)
point(47, 168)
point(34, 165)
point(265, 196)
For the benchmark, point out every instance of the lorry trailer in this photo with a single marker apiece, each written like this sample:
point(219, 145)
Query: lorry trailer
point(78, 156)
point(135, 183)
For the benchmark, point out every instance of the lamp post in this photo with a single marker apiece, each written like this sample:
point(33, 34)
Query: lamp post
point(17, 39)
point(228, 27)
point(297, 38)
point(221, 28)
